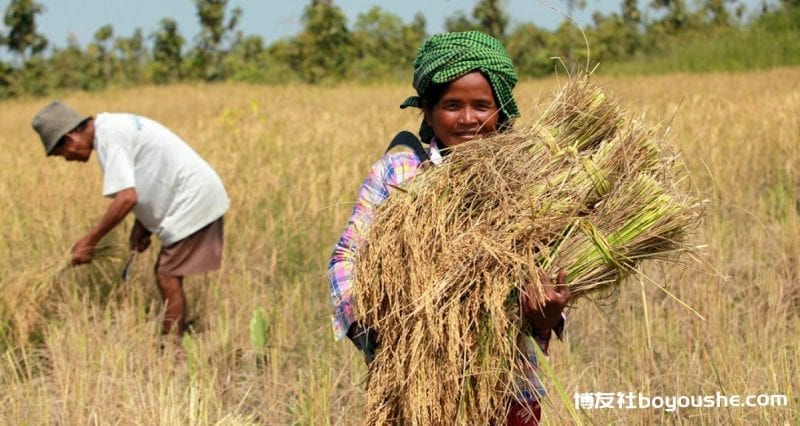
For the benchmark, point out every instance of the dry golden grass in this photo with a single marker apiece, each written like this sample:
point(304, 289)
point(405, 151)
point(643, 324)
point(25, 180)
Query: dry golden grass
point(292, 159)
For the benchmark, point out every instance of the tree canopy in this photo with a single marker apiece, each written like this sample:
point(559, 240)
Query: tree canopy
point(378, 45)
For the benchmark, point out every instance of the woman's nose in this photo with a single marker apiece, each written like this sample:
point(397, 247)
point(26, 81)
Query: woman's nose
point(468, 116)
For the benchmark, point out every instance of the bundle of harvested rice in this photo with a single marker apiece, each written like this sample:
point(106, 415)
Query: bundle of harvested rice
point(585, 189)
point(27, 295)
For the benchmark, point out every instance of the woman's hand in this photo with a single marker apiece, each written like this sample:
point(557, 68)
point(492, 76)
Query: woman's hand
point(543, 317)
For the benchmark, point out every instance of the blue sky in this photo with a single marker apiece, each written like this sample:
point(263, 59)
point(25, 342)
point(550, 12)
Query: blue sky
point(272, 19)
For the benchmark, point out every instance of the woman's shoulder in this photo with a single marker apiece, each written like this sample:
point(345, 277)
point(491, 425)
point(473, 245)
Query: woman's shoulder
point(399, 158)
point(400, 155)
point(396, 166)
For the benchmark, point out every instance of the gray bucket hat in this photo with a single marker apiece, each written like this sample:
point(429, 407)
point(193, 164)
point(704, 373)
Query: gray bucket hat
point(54, 121)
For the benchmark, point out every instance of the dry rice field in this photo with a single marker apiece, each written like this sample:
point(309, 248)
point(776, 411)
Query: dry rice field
point(80, 346)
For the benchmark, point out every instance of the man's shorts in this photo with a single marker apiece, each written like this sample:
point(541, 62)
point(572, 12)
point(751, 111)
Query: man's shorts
point(198, 253)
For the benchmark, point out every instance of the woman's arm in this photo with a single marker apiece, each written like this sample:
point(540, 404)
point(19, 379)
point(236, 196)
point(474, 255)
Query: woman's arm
point(390, 171)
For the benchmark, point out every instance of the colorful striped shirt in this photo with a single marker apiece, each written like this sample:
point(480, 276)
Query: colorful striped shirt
point(390, 171)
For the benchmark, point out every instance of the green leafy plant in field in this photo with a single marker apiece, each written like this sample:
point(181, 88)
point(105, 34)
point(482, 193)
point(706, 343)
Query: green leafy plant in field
point(260, 330)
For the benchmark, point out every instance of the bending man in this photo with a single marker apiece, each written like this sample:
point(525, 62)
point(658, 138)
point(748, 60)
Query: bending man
point(149, 170)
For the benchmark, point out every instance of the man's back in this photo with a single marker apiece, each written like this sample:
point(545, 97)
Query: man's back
point(178, 192)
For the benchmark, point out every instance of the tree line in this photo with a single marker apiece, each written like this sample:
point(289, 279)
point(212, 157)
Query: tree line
point(377, 46)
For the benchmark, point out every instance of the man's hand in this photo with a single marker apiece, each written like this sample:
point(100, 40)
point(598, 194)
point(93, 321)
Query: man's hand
point(543, 317)
point(82, 251)
point(140, 237)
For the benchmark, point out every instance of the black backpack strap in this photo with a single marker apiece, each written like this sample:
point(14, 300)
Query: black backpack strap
point(409, 140)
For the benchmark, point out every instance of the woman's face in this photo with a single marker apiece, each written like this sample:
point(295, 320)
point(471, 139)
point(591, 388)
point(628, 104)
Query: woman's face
point(465, 111)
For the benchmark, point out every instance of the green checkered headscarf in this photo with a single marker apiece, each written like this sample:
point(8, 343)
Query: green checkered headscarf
point(447, 57)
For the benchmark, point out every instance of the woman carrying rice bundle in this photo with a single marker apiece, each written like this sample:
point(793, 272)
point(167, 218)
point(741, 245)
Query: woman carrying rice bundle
point(464, 83)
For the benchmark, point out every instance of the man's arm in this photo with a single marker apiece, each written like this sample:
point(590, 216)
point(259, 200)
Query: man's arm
point(123, 203)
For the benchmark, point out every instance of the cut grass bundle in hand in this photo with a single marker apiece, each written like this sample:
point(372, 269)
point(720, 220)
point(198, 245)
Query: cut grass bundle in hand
point(25, 297)
point(585, 189)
